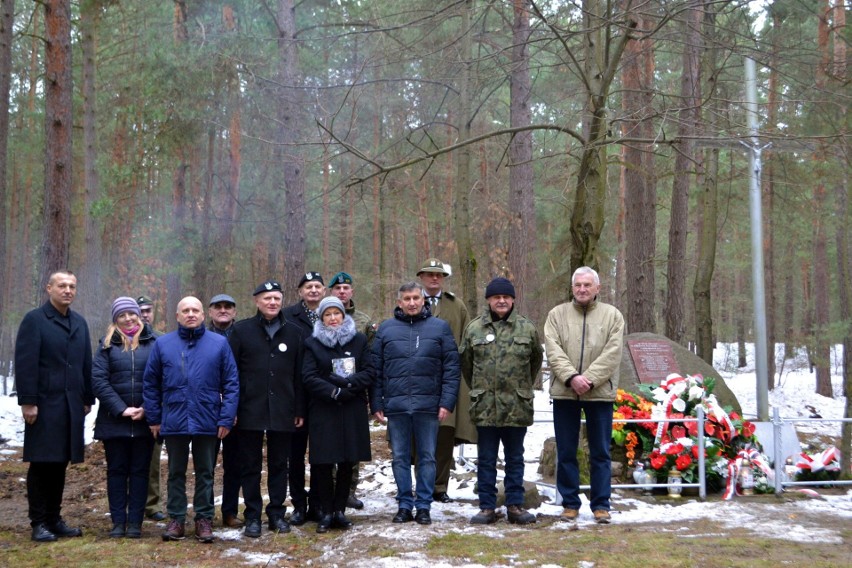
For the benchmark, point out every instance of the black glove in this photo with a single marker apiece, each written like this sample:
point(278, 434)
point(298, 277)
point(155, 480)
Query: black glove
point(342, 394)
point(339, 381)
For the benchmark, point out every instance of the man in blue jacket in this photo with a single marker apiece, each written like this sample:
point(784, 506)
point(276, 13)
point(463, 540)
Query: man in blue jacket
point(416, 386)
point(191, 392)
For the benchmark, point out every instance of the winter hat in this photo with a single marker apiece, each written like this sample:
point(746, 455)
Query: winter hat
point(124, 304)
point(330, 302)
point(500, 287)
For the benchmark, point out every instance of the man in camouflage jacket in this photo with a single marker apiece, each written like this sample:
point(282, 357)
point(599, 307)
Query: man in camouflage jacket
point(501, 355)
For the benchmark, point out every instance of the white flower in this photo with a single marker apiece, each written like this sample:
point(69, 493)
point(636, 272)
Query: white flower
point(679, 404)
point(696, 392)
point(678, 388)
point(686, 442)
point(659, 394)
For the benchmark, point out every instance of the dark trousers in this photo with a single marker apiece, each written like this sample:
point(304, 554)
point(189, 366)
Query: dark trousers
point(444, 460)
point(487, 447)
point(231, 473)
point(45, 484)
point(251, 458)
point(332, 490)
point(299, 496)
point(204, 461)
point(152, 505)
point(128, 461)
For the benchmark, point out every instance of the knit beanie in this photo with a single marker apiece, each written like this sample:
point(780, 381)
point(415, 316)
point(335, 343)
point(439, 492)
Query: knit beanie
point(330, 302)
point(500, 286)
point(124, 304)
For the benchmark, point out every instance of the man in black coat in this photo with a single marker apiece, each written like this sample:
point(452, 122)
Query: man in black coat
point(303, 314)
point(53, 373)
point(268, 352)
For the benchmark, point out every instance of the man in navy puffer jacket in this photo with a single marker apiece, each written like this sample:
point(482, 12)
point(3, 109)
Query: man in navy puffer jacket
point(416, 386)
point(191, 391)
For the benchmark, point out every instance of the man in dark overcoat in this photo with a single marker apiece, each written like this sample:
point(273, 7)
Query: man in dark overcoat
point(268, 352)
point(53, 373)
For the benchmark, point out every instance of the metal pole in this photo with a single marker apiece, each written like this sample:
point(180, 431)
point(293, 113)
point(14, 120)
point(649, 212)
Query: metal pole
point(759, 295)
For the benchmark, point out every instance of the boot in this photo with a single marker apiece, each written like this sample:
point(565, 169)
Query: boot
point(339, 520)
point(324, 523)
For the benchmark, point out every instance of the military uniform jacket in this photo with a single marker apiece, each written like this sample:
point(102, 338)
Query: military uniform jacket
point(500, 361)
point(585, 340)
point(452, 310)
point(363, 322)
point(53, 370)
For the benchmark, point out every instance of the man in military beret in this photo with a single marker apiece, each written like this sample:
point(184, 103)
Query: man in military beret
point(500, 356)
point(303, 315)
point(457, 427)
point(341, 286)
point(222, 310)
point(153, 508)
point(268, 352)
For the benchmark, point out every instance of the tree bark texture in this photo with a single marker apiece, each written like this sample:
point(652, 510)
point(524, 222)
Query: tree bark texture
point(58, 136)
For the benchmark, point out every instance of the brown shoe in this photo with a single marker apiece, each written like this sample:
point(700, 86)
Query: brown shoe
point(519, 516)
point(602, 516)
point(174, 531)
point(484, 517)
point(204, 530)
point(569, 514)
point(231, 521)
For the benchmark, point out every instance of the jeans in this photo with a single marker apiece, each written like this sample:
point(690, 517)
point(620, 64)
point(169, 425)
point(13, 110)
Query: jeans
point(487, 447)
point(204, 459)
point(566, 423)
point(424, 428)
point(128, 461)
point(251, 458)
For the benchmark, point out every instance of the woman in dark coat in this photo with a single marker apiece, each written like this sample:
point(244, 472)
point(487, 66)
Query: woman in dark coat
point(338, 370)
point(117, 371)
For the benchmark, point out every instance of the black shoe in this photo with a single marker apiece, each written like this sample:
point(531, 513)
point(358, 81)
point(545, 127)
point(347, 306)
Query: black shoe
point(252, 529)
point(403, 516)
point(339, 520)
point(60, 529)
point(134, 530)
point(422, 517)
point(314, 514)
point(42, 534)
point(117, 531)
point(442, 497)
point(324, 524)
point(354, 503)
point(298, 517)
point(279, 525)
point(157, 517)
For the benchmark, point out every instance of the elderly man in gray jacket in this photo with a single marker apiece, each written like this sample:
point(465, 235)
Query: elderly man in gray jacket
point(583, 339)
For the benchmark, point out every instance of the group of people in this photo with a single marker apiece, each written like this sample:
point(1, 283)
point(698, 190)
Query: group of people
point(308, 376)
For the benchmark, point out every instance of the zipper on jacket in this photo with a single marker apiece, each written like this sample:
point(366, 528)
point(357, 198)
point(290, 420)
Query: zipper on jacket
point(582, 343)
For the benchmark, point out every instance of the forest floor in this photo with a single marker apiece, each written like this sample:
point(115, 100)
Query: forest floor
point(451, 541)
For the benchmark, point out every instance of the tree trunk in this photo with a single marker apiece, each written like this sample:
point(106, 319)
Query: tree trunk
point(522, 241)
point(684, 166)
point(290, 158)
point(467, 259)
point(640, 201)
point(822, 341)
point(789, 300)
point(706, 258)
point(7, 16)
point(58, 135)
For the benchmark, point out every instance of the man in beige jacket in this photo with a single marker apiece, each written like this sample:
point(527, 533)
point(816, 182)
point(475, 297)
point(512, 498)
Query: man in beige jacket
point(583, 339)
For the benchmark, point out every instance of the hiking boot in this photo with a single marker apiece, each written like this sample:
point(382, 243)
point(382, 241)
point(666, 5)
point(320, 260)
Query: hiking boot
point(602, 516)
point(174, 531)
point(61, 530)
point(403, 516)
point(204, 530)
point(519, 516)
point(354, 503)
point(484, 517)
point(569, 514)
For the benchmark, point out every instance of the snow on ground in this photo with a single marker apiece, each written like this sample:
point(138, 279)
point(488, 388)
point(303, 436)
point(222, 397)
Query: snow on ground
point(777, 519)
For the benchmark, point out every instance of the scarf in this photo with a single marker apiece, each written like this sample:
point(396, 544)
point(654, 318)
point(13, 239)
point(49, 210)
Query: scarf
point(332, 336)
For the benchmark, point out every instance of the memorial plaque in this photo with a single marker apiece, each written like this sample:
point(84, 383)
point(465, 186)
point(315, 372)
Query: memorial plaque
point(654, 360)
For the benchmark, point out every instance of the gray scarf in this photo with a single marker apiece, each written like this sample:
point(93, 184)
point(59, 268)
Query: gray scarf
point(332, 336)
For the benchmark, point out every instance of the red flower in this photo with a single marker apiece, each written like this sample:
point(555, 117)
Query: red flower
point(678, 432)
point(734, 416)
point(658, 461)
point(626, 411)
point(674, 449)
point(683, 462)
point(748, 429)
point(692, 428)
